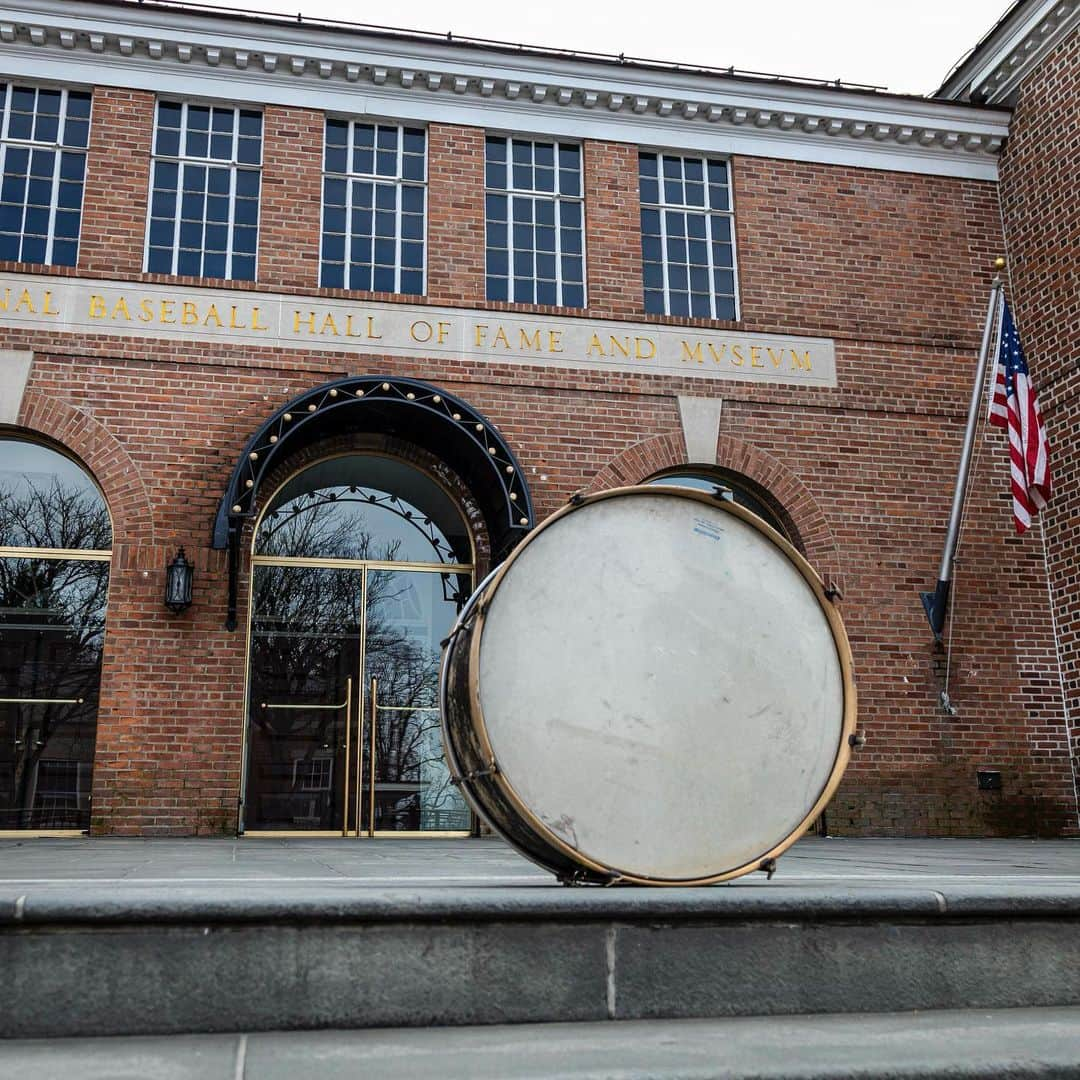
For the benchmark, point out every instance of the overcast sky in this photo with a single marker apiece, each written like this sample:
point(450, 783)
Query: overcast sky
point(908, 47)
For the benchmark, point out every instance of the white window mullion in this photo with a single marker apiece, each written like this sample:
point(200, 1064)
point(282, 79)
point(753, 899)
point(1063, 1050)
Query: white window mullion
point(350, 203)
point(54, 198)
point(229, 245)
point(558, 241)
point(397, 235)
point(181, 176)
point(662, 213)
point(205, 220)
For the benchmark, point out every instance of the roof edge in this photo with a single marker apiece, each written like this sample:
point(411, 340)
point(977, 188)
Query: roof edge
point(991, 73)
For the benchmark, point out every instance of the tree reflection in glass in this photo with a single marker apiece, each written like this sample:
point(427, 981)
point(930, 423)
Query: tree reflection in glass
point(309, 633)
point(52, 621)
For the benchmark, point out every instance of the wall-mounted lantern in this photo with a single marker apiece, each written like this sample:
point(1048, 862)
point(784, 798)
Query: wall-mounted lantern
point(179, 575)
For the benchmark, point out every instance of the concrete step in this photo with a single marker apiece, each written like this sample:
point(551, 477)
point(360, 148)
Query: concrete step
point(93, 960)
point(961, 1044)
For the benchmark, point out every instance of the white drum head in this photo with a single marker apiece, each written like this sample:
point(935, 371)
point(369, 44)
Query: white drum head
point(660, 686)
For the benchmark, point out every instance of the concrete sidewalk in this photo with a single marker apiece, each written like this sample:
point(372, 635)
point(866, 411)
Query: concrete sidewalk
point(258, 864)
point(957, 1045)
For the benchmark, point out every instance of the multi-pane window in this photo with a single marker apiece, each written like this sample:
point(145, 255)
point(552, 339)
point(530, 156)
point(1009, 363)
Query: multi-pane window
point(535, 229)
point(43, 137)
point(204, 199)
point(373, 207)
point(687, 239)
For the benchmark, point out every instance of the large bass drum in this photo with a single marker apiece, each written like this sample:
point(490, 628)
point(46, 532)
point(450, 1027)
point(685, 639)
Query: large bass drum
point(653, 689)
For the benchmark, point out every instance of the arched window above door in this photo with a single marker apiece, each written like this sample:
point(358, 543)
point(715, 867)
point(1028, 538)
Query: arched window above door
point(364, 507)
point(743, 491)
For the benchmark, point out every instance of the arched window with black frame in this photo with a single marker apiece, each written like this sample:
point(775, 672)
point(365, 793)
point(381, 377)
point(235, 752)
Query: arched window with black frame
point(744, 491)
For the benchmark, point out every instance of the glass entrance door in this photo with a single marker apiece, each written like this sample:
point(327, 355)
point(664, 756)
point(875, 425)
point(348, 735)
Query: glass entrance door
point(360, 565)
point(406, 780)
point(344, 735)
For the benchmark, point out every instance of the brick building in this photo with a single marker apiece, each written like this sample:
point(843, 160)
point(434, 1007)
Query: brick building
point(342, 314)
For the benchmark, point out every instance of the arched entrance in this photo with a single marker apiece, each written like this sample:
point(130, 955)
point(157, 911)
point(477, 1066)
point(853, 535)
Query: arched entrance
point(360, 563)
point(55, 550)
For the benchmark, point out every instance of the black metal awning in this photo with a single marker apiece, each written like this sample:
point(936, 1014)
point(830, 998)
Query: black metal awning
point(415, 411)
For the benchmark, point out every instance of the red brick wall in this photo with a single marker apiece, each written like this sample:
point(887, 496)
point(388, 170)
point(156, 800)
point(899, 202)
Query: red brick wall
point(892, 266)
point(117, 181)
point(1040, 191)
point(291, 197)
point(612, 223)
point(455, 244)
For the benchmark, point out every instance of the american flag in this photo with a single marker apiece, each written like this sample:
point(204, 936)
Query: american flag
point(1015, 406)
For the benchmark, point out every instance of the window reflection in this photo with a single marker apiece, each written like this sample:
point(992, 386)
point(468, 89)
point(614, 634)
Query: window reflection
point(52, 624)
point(344, 727)
point(408, 617)
point(47, 501)
point(367, 508)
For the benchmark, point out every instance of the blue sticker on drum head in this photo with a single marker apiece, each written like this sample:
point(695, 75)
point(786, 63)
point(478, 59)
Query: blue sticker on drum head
point(708, 529)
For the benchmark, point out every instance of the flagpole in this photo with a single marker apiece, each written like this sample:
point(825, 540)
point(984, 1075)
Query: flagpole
point(936, 603)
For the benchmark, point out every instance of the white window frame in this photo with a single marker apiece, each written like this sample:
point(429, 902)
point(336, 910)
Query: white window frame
point(398, 180)
point(708, 212)
point(181, 159)
point(6, 141)
point(556, 198)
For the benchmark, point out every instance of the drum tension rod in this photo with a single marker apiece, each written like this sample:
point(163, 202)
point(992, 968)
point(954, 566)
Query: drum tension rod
point(768, 868)
point(491, 770)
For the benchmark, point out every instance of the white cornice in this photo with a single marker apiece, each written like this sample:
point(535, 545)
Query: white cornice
point(424, 80)
point(1012, 51)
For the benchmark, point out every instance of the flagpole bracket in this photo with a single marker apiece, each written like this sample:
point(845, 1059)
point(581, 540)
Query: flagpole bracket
point(935, 604)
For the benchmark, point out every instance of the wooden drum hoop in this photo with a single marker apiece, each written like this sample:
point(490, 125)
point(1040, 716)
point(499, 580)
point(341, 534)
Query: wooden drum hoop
point(489, 789)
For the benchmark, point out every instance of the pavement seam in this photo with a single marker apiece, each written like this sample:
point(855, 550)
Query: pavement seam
point(241, 1058)
point(609, 956)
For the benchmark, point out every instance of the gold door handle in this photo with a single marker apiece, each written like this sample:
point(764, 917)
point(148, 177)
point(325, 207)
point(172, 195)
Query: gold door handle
point(41, 701)
point(371, 755)
point(345, 789)
point(271, 705)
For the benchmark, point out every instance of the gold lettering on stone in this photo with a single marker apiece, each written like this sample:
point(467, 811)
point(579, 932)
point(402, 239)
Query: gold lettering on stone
point(530, 341)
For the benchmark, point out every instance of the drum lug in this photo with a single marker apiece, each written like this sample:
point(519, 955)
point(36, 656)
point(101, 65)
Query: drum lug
point(491, 770)
point(856, 740)
point(577, 498)
point(833, 593)
point(768, 868)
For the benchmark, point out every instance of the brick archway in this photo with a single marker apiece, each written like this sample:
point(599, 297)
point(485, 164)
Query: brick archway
point(98, 449)
point(651, 455)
